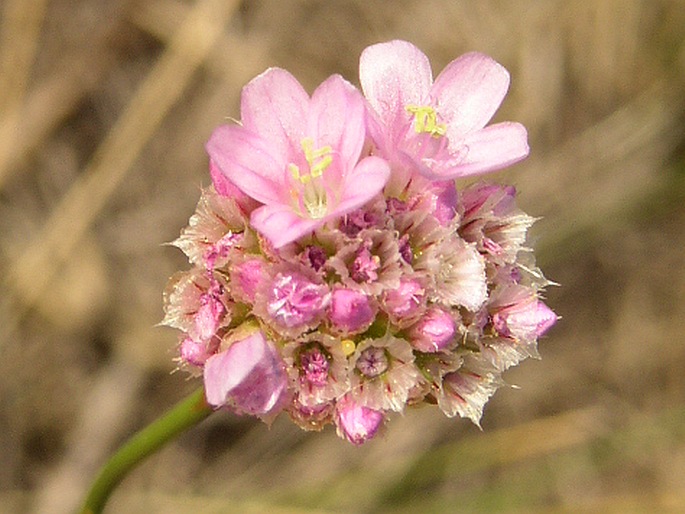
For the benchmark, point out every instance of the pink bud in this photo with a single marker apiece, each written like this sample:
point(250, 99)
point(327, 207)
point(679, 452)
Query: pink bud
point(434, 331)
point(294, 301)
point(209, 315)
point(193, 352)
point(406, 301)
point(350, 311)
point(249, 376)
point(527, 319)
point(246, 277)
point(356, 423)
point(226, 188)
point(445, 194)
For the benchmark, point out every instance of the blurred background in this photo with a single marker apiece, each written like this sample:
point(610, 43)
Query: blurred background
point(104, 110)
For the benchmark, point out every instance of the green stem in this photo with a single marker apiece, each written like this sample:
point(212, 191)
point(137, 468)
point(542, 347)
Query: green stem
point(185, 414)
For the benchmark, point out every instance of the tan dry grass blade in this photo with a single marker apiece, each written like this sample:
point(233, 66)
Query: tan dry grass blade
point(20, 34)
point(20, 30)
point(26, 126)
point(78, 209)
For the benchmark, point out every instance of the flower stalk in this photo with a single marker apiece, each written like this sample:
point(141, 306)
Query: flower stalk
point(188, 412)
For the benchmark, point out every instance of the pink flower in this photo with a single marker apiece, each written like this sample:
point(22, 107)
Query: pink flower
point(249, 377)
point(195, 352)
point(246, 276)
point(293, 301)
point(434, 332)
point(351, 311)
point(299, 156)
point(520, 314)
point(226, 188)
point(355, 422)
point(439, 127)
point(406, 302)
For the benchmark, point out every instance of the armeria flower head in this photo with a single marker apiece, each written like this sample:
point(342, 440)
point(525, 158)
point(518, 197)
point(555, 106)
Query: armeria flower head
point(439, 128)
point(298, 156)
point(339, 274)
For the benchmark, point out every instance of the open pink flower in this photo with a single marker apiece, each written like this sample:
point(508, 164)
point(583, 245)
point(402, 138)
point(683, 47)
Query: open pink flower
point(249, 376)
point(439, 127)
point(299, 156)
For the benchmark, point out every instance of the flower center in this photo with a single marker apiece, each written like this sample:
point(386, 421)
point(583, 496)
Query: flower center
point(426, 120)
point(314, 366)
point(310, 194)
point(372, 362)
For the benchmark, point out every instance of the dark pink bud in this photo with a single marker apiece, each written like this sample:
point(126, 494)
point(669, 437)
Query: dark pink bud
point(434, 331)
point(527, 319)
point(249, 376)
point(226, 188)
point(406, 301)
point(246, 277)
point(356, 423)
point(193, 352)
point(350, 311)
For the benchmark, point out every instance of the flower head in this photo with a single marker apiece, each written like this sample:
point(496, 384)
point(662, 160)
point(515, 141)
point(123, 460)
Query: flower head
point(439, 128)
point(339, 273)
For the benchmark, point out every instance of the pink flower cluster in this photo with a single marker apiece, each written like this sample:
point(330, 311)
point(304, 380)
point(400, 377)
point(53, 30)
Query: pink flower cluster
point(338, 273)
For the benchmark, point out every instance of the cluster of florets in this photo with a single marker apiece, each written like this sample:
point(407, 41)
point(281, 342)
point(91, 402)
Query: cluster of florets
point(338, 273)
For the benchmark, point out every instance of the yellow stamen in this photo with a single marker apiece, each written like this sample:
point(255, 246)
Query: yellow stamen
point(312, 195)
point(426, 120)
point(348, 347)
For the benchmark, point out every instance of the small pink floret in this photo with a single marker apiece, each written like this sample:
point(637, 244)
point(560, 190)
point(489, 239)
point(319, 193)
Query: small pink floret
point(357, 423)
point(434, 332)
point(528, 319)
point(249, 377)
point(300, 157)
point(293, 300)
point(350, 311)
point(439, 127)
point(406, 301)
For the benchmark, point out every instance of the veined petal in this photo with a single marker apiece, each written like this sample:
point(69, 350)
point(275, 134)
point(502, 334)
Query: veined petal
point(249, 376)
point(246, 161)
point(337, 120)
point(492, 148)
point(366, 180)
point(394, 75)
point(275, 105)
point(468, 92)
point(280, 224)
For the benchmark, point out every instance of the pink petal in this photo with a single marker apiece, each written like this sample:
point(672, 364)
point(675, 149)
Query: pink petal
point(337, 120)
point(246, 161)
point(280, 224)
point(394, 75)
point(355, 422)
point(249, 376)
point(226, 188)
point(492, 148)
point(468, 92)
point(275, 105)
point(364, 182)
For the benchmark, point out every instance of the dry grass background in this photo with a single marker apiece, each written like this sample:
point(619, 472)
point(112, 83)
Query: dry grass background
point(104, 110)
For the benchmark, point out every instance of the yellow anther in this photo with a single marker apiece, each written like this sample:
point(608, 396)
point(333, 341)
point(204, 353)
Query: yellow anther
point(426, 120)
point(348, 347)
point(311, 199)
